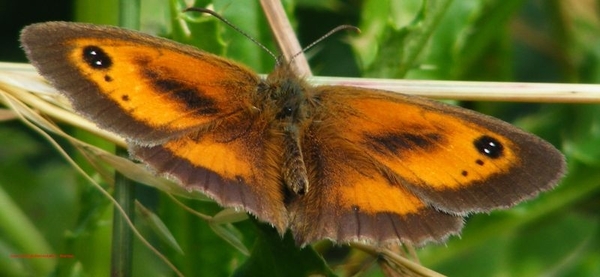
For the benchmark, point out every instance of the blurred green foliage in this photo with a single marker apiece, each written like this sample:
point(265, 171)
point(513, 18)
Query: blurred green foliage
point(556, 234)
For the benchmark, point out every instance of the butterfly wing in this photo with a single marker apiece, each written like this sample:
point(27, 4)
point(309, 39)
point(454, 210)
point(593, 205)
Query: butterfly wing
point(186, 113)
point(388, 167)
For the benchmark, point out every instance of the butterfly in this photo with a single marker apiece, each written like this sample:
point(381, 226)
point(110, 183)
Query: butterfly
point(326, 162)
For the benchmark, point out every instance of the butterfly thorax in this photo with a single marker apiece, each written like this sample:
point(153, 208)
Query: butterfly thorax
point(287, 98)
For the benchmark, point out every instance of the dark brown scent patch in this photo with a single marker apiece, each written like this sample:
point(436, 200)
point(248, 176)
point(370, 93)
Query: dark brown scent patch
point(193, 98)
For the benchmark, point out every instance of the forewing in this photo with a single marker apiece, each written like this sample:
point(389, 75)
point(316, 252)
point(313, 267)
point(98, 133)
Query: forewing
point(142, 87)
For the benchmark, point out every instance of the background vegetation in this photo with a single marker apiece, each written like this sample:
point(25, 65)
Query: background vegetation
point(556, 234)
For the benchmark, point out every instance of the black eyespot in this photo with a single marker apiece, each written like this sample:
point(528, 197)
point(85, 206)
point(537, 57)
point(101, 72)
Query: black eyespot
point(96, 58)
point(489, 146)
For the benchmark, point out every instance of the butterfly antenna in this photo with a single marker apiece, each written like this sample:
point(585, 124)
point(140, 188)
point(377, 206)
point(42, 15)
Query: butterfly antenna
point(213, 13)
point(335, 30)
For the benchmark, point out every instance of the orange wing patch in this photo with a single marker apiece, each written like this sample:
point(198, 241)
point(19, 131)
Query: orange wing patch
point(415, 142)
point(381, 196)
point(187, 92)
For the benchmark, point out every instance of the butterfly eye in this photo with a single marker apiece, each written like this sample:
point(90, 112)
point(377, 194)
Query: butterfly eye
point(287, 111)
point(489, 146)
point(96, 57)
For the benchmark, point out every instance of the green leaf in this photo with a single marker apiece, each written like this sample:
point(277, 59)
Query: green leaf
point(583, 136)
point(276, 256)
point(385, 39)
point(156, 224)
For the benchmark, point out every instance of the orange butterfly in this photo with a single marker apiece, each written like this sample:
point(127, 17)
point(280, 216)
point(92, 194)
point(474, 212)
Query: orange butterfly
point(328, 162)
